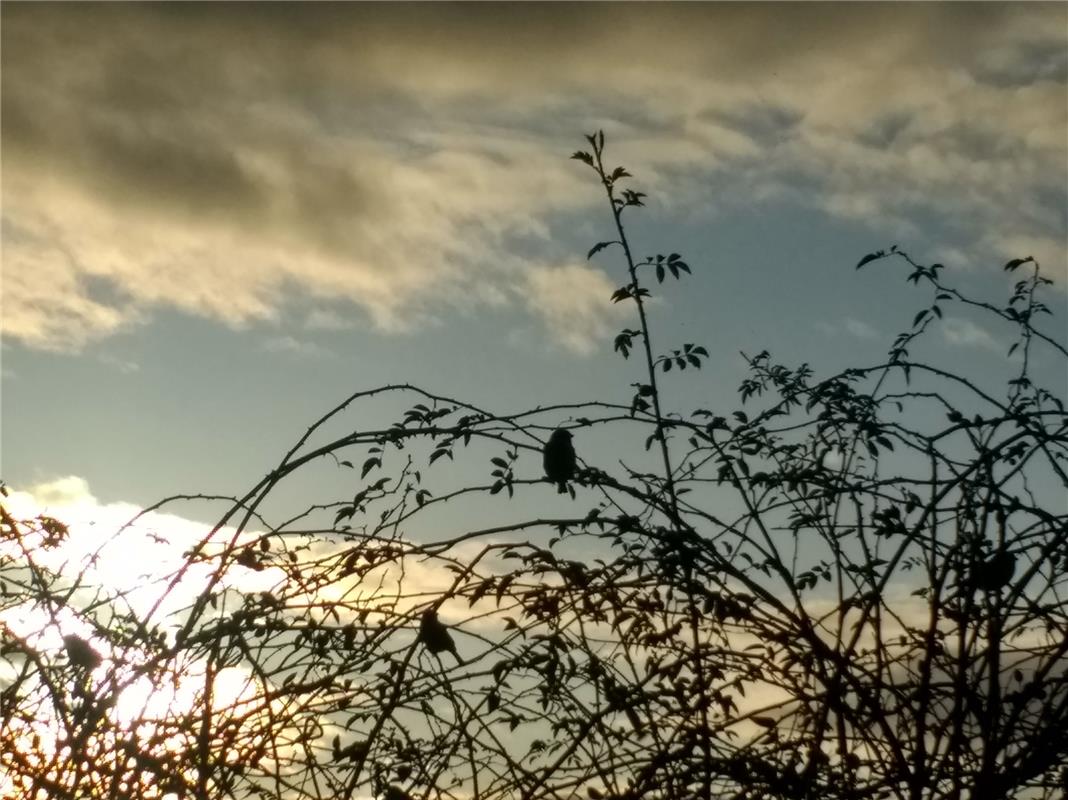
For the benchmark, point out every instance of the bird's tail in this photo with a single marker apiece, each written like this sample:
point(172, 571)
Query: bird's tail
point(561, 487)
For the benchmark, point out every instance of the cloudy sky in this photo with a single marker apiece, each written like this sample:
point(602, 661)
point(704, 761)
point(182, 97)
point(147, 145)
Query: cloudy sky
point(220, 220)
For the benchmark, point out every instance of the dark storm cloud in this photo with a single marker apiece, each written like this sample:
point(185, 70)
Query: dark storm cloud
point(384, 153)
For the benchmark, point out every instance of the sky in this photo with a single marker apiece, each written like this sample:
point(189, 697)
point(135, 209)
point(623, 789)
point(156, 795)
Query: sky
point(219, 220)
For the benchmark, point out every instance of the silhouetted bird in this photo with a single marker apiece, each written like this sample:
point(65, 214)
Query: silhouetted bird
point(995, 572)
point(435, 636)
point(559, 459)
point(80, 653)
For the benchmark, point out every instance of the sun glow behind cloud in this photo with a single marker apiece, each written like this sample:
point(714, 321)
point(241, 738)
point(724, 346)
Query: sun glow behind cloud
point(133, 566)
point(135, 561)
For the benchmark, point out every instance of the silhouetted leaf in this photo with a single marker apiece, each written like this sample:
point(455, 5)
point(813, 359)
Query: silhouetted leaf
point(869, 258)
point(598, 248)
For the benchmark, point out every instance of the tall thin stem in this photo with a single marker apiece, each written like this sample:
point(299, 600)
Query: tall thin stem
point(617, 206)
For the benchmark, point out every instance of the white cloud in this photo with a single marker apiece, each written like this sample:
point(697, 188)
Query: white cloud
point(298, 347)
point(854, 327)
point(965, 333)
point(574, 304)
point(125, 366)
point(71, 493)
point(952, 257)
point(860, 329)
point(136, 560)
point(853, 204)
point(433, 235)
point(45, 303)
point(1051, 255)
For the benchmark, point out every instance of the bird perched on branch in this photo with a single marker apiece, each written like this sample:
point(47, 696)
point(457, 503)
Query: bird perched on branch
point(995, 572)
point(558, 459)
point(435, 636)
point(80, 653)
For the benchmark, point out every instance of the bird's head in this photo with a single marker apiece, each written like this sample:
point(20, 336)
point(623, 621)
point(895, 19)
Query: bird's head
point(560, 435)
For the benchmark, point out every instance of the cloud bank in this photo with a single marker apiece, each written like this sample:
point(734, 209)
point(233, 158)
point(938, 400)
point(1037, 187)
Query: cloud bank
point(406, 159)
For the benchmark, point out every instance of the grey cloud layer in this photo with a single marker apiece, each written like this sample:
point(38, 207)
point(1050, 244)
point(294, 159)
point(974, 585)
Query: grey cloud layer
point(215, 157)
